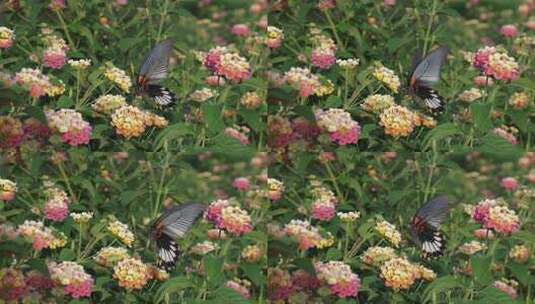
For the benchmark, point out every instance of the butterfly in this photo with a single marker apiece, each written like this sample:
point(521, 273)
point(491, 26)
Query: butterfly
point(425, 73)
point(174, 223)
point(153, 70)
point(424, 227)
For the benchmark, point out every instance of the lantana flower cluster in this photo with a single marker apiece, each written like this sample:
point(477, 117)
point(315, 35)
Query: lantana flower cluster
point(398, 273)
point(342, 129)
point(496, 64)
point(303, 80)
point(75, 281)
point(121, 231)
point(130, 121)
point(119, 77)
point(498, 217)
point(42, 237)
point(222, 62)
point(34, 81)
point(229, 217)
point(338, 276)
point(387, 76)
point(8, 189)
point(73, 129)
point(275, 36)
point(6, 37)
point(307, 235)
point(389, 232)
point(108, 103)
point(57, 204)
point(377, 103)
point(323, 54)
point(324, 203)
point(55, 54)
point(131, 273)
point(110, 256)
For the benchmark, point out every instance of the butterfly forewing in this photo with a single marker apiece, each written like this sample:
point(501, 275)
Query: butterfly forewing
point(425, 224)
point(155, 65)
point(427, 72)
point(174, 223)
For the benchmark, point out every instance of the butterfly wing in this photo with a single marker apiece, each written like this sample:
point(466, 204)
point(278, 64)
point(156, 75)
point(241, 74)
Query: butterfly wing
point(162, 96)
point(425, 224)
point(174, 223)
point(427, 72)
point(178, 220)
point(155, 65)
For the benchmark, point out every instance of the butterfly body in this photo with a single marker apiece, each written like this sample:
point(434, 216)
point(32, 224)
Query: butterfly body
point(153, 70)
point(425, 225)
point(425, 73)
point(174, 223)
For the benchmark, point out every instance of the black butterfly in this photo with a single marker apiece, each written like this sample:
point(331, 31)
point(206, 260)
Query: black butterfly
point(425, 224)
point(425, 73)
point(153, 70)
point(172, 224)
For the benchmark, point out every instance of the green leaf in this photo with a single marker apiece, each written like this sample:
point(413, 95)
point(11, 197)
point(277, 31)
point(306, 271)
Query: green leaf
point(481, 115)
point(172, 132)
point(333, 102)
point(65, 102)
point(440, 132)
point(254, 119)
point(255, 273)
point(225, 295)
point(173, 285)
point(497, 147)
point(481, 269)
point(67, 254)
point(439, 285)
point(521, 273)
point(213, 267)
point(212, 117)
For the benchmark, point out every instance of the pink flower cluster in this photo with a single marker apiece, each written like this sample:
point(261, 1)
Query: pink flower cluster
point(34, 81)
point(73, 129)
point(54, 58)
point(223, 62)
point(229, 217)
point(323, 55)
point(496, 64)
point(324, 206)
point(338, 123)
point(303, 80)
point(41, 236)
point(493, 216)
point(241, 183)
point(57, 205)
point(238, 133)
point(338, 276)
point(75, 281)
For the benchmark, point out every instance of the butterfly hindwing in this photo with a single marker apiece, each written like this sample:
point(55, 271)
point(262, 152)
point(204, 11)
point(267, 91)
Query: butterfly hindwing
point(162, 96)
point(167, 252)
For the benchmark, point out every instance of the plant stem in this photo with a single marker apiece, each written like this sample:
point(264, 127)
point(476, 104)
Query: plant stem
point(66, 180)
point(64, 26)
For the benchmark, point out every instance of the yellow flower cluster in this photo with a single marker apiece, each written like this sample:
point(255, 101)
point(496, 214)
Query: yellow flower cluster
point(398, 273)
point(520, 254)
point(131, 273)
point(251, 100)
point(424, 120)
point(377, 255)
point(470, 95)
point(119, 77)
point(110, 256)
point(398, 121)
point(252, 253)
point(325, 88)
point(204, 247)
point(519, 100)
point(349, 217)
point(377, 103)
point(7, 186)
point(55, 89)
point(108, 103)
point(80, 64)
point(130, 121)
point(121, 231)
point(472, 247)
point(388, 77)
point(82, 217)
point(389, 232)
